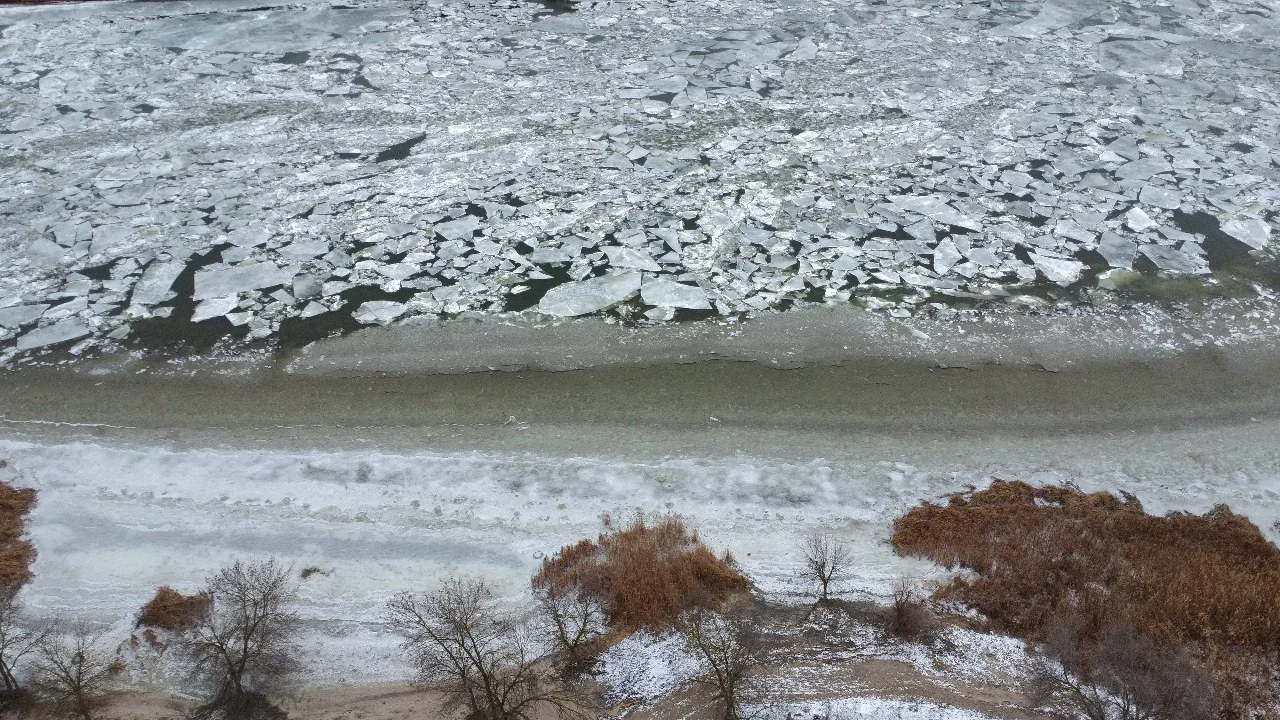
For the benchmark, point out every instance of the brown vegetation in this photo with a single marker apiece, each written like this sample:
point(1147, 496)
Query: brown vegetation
point(909, 617)
point(644, 575)
point(171, 610)
point(1210, 583)
point(16, 554)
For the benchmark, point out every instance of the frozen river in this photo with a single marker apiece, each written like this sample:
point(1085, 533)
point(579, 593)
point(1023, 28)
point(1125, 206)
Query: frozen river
point(775, 266)
point(190, 172)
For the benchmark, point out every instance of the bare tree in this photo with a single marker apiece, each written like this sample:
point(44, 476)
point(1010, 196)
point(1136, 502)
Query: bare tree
point(17, 639)
point(826, 559)
point(245, 643)
point(573, 622)
point(484, 658)
point(909, 617)
point(730, 647)
point(1120, 675)
point(72, 669)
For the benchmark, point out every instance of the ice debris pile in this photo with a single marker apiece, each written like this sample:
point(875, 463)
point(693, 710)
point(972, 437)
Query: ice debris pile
point(286, 170)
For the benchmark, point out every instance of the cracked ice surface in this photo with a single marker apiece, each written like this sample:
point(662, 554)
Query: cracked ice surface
point(385, 160)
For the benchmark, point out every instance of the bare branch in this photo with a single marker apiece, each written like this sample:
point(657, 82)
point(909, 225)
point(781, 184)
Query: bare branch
point(483, 658)
point(72, 669)
point(244, 645)
point(1120, 675)
point(573, 624)
point(826, 560)
point(18, 638)
point(730, 648)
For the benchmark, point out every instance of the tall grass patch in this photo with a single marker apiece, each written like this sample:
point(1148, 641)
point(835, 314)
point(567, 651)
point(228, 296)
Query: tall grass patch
point(644, 575)
point(1208, 583)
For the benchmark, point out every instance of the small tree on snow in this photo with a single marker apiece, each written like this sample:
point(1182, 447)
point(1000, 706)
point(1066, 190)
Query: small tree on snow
point(72, 669)
point(484, 658)
point(729, 646)
point(245, 643)
point(826, 559)
point(573, 623)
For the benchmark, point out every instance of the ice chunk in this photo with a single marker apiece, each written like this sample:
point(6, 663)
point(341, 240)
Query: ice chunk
point(1142, 168)
point(1058, 270)
point(945, 256)
point(1009, 233)
point(983, 257)
point(303, 250)
point(214, 307)
point(399, 271)
point(1117, 251)
point(45, 252)
point(313, 309)
point(379, 312)
point(53, 334)
point(1140, 57)
point(625, 257)
point(936, 208)
point(1250, 231)
point(667, 293)
point(1052, 15)
point(155, 285)
point(1138, 220)
point(588, 296)
point(461, 229)
point(1161, 198)
point(241, 278)
point(106, 237)
point(1170, 260)
point(12, 317)
point(306, 286)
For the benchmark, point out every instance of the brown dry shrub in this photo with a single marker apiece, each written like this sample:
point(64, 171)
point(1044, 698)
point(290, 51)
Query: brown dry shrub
point(16, 554)
point(171, 610)
point(643, 575)
point(909, 617)
point(1209, 582)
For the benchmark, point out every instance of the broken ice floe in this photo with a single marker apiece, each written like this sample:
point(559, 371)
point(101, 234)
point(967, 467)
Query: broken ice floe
point(633, 161)
point(588, 296)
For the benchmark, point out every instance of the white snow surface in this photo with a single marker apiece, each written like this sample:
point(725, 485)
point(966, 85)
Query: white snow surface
point(647, 667)
point(116, 519)
point(866, 708)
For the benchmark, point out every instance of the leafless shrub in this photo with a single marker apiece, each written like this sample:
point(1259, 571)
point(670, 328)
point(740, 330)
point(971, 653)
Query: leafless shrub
point(18, 638)
point(245, 644)
point(483, 658)
point(72, 670)
point(826, 559)
point(575, 624)
point(909, 616)
point(1120, 675)
point(730, 647)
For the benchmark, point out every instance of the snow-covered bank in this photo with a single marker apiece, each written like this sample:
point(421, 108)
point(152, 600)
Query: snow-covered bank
point(117, 518)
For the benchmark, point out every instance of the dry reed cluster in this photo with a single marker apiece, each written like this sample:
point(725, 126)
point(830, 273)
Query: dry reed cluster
point(173, 611)
point(1209, 583)
point(643, 575)
point(16, 553)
